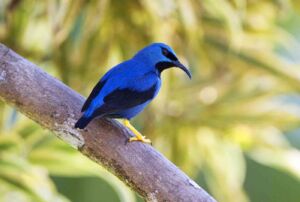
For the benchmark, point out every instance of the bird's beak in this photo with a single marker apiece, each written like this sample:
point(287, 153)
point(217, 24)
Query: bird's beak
point(181, 66)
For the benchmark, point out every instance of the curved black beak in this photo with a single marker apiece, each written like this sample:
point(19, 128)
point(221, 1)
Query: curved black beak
point(181, 66)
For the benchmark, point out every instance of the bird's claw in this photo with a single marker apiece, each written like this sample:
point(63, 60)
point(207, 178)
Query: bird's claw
point(141, 139)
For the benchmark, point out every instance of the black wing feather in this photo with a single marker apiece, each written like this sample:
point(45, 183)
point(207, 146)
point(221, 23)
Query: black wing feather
point(126, 98)
point(122, 99)
point(93, 94)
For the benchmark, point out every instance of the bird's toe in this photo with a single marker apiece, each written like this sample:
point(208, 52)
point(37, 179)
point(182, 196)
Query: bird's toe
point(141, 139)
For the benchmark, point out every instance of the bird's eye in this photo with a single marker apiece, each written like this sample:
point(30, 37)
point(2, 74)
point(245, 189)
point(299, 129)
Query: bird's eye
point(168, 54)
point(165, 52)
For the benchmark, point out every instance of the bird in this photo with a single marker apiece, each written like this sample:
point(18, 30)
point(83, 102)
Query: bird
point(127, 88)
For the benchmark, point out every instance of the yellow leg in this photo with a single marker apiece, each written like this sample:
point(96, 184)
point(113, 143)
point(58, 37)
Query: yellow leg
point(138, 135)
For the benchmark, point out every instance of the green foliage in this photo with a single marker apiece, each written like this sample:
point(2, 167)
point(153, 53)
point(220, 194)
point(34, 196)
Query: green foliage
point(242, 99)
point(29, 155)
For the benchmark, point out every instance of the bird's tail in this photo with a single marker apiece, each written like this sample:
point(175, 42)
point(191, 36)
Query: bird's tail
point(83, 122)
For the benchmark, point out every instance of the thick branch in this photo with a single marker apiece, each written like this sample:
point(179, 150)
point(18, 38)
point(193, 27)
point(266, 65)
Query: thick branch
point(56, 107)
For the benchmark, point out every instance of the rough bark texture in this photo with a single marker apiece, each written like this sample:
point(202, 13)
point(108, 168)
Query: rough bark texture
point(56, 107)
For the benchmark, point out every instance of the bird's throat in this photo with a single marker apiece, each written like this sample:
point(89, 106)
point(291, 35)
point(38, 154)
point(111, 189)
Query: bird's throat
point(161, 66)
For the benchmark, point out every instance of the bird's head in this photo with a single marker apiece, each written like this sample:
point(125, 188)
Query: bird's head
point(161, 56)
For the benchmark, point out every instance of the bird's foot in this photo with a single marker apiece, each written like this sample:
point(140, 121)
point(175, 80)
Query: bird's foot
point(140, 138)
point(138, 135)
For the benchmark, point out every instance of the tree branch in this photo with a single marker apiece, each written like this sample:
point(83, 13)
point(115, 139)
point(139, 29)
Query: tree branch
point(56, 107)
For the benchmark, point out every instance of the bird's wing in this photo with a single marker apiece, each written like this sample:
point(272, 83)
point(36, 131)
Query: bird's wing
point(93, 94)
point(122, 99)
point(137, 91)
point(127, 97)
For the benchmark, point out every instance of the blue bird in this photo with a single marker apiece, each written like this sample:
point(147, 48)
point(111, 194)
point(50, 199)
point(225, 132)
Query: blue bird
point(126, 89)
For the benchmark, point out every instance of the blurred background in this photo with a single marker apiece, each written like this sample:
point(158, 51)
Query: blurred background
point(234, 128)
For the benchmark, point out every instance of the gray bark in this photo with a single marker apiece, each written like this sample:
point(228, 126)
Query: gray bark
point(56, 107)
